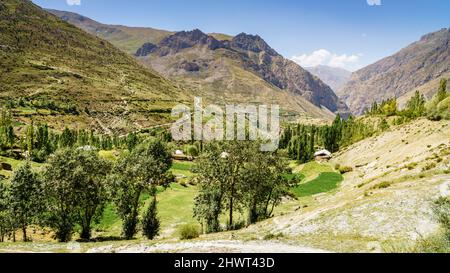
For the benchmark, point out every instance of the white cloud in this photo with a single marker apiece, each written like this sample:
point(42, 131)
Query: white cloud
point(73, 2)
point(374, 2)
point(325, 57)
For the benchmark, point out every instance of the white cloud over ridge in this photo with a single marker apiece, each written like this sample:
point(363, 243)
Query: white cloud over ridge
point(325, 57)
point(374, 2)
point(73, 2)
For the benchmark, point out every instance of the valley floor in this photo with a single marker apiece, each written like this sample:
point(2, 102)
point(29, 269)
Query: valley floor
point(383, 204)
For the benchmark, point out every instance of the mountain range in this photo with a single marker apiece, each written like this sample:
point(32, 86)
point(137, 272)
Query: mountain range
point(71, 70)
point(225, 69)
point(419, 66)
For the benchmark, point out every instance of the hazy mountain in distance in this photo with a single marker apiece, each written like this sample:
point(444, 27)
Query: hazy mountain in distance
point(67, 77)
point(416, 67)
point(335, 77)
point(129, 39)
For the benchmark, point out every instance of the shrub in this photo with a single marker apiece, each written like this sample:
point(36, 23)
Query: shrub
point(189, 232)
point(382, 185)
point(192, 150)
point(345, 169)
point(429, 166)
point(272, 236)
point(411, 166)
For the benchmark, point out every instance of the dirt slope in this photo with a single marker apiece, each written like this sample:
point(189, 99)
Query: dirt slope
point(385, 201)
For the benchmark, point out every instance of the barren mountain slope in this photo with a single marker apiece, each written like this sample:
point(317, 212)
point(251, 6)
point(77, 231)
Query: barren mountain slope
point(414, 66)
point(54, 72)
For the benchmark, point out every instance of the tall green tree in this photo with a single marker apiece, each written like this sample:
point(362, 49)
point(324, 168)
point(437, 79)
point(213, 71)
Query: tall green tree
point(6, 216)
point(25, 197)
point(150, 221)
point(30, 139)
point(141, 170)
point(7, 136)
point(415, 107)
point(442, 92)
point(211, 174)
point(75, 191)
point(92, 193)
point(264, 184)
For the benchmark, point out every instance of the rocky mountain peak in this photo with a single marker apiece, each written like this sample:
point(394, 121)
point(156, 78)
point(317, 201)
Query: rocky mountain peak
point(252, 43)
point(187, 39)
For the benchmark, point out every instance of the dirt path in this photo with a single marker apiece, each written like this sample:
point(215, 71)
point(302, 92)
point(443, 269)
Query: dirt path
point(223, 246)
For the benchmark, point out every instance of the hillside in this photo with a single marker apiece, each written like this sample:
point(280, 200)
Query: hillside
point(129, 39)
point(335, 77)
point(241, 72)
point(384, 203)
point(54, 72)
point(414, 67)
point(233, 70)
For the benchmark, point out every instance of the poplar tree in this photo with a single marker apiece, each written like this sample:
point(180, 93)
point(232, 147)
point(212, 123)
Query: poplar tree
point(25, 197)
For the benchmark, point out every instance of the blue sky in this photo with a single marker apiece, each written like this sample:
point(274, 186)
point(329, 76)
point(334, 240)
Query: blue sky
point(342, 33)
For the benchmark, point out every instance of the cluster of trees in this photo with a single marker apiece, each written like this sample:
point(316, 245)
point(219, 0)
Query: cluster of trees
point(75, 186)
point(416, 107)
point(387, 108)
point(39, 141)
point(301, 141)
point(44, 103)
point(236, 177)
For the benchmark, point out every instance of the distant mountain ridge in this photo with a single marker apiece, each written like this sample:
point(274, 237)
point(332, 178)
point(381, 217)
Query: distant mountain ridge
point(335, 77)
point(129, 39)
point(415, 67)
point(213, 70)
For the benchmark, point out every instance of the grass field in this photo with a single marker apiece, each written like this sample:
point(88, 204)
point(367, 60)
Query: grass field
point(182, 168)
point(317, 178)
point(324, 183)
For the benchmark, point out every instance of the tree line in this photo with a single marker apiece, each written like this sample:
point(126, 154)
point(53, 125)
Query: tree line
point(39, 141)
point(416, 107)
point(302, 141)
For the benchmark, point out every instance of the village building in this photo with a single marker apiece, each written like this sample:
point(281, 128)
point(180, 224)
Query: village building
point(323, 156)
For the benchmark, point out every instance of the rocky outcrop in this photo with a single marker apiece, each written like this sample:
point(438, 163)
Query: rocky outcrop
point(145, 50)
point(252, 43)
point(186, 39)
